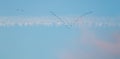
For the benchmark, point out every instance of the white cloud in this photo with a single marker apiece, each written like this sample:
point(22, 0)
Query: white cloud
point(50, 21)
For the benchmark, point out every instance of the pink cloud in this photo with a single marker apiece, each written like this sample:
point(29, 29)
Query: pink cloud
point(88, 38)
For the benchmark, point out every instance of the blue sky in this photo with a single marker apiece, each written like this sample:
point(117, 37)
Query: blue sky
point(55, 42)
point(61, 7)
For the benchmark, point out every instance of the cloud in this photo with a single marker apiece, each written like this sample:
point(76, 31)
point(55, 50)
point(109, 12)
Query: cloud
point(91, 46)
point(50, 21)
point(106, 46)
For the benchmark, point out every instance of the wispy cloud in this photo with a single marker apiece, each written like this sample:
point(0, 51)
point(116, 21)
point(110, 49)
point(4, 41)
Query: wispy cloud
point(50, 21)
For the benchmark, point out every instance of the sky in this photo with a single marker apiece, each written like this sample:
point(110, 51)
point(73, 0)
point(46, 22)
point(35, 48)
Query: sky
point(76, 29)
